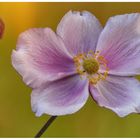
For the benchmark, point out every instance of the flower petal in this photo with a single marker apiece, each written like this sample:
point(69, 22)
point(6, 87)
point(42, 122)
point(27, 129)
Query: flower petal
point(65, 96)
point(41, 56)
point(119, 43)
point(120, 94)
point(80, 31)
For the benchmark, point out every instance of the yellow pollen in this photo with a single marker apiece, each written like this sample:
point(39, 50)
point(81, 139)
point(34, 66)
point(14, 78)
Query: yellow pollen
point(89, 64)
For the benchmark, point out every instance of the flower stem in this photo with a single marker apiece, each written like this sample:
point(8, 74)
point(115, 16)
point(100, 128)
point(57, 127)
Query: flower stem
point(44, 128)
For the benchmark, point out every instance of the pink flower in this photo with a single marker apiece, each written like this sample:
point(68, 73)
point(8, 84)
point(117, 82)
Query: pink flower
point(82, 58)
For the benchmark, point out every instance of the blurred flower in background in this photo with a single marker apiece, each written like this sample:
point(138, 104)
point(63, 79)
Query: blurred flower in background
point(1, 28)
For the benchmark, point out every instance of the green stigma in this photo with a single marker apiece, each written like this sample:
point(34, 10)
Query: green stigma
point(91, 66)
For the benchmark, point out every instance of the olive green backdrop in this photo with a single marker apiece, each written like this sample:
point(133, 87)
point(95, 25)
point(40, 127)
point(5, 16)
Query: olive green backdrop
point(16, 117)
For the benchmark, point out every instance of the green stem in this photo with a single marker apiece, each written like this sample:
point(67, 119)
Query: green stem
point(45, 127)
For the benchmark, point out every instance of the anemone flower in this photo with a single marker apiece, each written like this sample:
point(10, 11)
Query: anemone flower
point(80, 59)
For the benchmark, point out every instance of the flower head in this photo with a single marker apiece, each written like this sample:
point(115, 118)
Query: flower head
point(82, 56)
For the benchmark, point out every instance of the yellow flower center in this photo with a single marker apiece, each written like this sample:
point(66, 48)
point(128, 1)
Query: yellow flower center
point(89, 64)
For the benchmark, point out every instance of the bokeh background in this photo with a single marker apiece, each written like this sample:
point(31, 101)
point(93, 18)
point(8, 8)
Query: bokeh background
point(16, 117)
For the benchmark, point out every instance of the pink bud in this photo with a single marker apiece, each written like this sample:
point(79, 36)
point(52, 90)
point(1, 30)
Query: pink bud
point(2, 26)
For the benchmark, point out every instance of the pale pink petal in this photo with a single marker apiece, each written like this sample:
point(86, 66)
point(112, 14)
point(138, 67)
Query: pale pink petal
point(120, 94)
point(61, 97)
point(119, 43)
point(80, 31)
point(41, 56)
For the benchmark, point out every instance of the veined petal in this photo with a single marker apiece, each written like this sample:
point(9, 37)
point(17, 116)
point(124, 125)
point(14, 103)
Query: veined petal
point(119, 43)
point(41, 56)
point(120, 94)
point(61, 97)
point(80, 31)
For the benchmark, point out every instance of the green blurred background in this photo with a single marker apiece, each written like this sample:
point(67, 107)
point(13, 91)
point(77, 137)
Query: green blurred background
point(16, 117)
